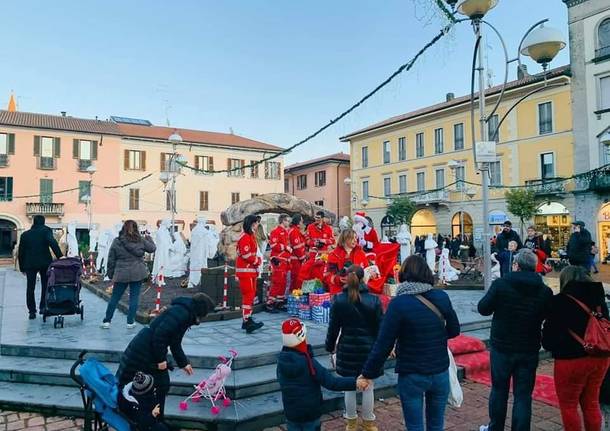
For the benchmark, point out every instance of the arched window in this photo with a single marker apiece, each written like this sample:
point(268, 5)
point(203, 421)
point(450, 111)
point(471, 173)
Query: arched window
point(603, 38)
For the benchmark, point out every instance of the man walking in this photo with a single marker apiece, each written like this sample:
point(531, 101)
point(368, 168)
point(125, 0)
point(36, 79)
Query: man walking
point(579, 245)
point(518, 302)
point(34, 258)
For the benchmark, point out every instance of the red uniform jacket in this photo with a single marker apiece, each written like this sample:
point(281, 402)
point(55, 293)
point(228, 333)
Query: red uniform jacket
point(278, 240)
point(296, 239)
point(323, 235)
point(247, 261)
point(336, 262)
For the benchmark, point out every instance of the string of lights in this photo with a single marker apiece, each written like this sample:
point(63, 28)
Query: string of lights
point(450, 16)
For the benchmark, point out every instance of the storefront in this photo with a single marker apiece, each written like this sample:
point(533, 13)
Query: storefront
point(554, 221)
point(423, 223)
point(457, 223)
point(603, 233)
point(388, 227)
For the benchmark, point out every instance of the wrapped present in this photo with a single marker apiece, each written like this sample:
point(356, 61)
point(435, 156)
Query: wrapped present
point(317, 299)
point(304, 312)
point(310, 286)
point(293, 302)
point(321, 313)
point(390, 289)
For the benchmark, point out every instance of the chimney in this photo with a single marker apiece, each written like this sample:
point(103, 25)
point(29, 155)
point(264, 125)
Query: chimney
point(449, 97)
point(522, 72)
point(63, 113)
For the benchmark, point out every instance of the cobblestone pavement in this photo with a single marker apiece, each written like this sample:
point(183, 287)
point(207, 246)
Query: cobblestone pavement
point(13, 421)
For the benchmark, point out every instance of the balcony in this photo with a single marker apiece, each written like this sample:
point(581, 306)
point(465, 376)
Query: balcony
point(3, 160)
point(600, 184)
point(436, 197)
point(547, 186)
point(47, 163)
point(44, 208)
point(83, 165)
point(602, 54)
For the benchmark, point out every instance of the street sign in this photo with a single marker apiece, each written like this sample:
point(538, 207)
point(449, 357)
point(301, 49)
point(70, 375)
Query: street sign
point(485, 151)
point(478, 233)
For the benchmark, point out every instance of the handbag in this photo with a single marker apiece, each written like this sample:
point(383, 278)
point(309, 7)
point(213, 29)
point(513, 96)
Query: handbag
point(456, 395)
point(596, 340)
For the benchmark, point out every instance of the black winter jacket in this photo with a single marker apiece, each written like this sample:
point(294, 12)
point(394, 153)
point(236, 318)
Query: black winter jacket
point(301, 391)
point(149, 347)
point(359, 324)
point(504, 238)
point(519, 302)
point(34, 247)
point(565, 314)
point(579, 247)
point(139, 408)
point(125, 259)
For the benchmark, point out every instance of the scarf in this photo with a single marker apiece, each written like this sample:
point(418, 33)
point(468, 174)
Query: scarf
point(302, 348)
point(413, 288)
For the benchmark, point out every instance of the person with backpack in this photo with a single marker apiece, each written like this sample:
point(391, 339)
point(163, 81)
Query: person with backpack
point(356, 315)
point(578, 373)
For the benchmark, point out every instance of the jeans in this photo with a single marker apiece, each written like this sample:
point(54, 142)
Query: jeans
point(368, 404)
point(521, 367)
point(577, 382)
point(117, 294)
point(31, 289)
point(304, 426)
point(412, 389)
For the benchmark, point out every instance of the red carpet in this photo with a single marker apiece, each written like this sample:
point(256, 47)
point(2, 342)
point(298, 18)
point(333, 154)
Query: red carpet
point(471, 354)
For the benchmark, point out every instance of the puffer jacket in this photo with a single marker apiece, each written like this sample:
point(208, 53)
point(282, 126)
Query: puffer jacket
point(126, 259)
point(359, 324)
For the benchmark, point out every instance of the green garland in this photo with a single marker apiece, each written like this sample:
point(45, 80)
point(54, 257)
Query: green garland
point(446, 12)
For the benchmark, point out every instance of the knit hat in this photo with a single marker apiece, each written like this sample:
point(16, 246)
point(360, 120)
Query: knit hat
point(142, 383)
point(203, 304)
point(294, 333)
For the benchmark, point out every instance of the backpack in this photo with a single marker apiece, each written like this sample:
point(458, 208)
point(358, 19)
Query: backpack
point(596, 341)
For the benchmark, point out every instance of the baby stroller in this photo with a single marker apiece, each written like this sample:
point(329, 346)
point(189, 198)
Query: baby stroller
point(63, 290)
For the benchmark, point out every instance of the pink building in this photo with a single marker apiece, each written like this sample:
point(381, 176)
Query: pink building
point(321, 181)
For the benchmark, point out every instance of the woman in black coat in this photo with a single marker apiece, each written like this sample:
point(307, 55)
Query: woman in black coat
point(356, 314)
point(147, 351)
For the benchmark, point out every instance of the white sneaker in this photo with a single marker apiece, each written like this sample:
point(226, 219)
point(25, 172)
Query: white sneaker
point(131, 325)
point(483, 427)
point(106, 325)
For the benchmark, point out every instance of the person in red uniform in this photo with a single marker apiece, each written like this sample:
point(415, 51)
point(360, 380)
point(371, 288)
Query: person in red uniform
point(280, 264)
point(347, 253)
point(320, 235)
point(246, 271)
point(296, 239)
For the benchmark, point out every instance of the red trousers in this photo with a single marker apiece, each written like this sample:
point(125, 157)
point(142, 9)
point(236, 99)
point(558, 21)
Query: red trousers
point(247, 285)
point(277, 290)
point(577, 382)
point(295, 269)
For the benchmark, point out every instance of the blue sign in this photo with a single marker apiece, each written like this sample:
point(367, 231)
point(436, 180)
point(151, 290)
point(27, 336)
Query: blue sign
point(497, 217)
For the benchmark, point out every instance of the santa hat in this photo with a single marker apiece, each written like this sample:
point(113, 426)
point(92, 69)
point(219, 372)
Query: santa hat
point(294, 333)
point(360, 217)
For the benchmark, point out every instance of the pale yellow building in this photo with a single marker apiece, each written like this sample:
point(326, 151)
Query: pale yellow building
point(428, 149)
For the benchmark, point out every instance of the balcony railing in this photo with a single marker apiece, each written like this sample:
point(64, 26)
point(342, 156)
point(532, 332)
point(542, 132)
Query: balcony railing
point(3, 160)
point(44, 208)
point(439, 196)
point(602, 53)
point(547, 186)
point(46, 163)
point(600, 183)
point(83, 165)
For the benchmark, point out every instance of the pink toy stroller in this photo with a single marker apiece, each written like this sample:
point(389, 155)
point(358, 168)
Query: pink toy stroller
point(213, 388)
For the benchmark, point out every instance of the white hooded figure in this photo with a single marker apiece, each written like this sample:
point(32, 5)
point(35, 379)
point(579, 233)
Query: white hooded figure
point(72, 242)
point(385, 239)
point(203, 247)
point(495, 267)
point(94, 236)
point(447, 273)
point(430, 246)
point(404, 239)
point(103, 248)
point(262, 239)
point(344, 223)
point(215, 239)
point(178, 257)
point(163, 242)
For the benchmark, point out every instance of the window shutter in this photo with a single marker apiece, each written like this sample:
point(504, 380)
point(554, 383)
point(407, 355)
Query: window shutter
point(242, 164)
point(162, 160)
point(75, 149)
point(36, 146)
point(126, 160)
point(229, 165)
point(56, 147)
point(197, 162)
point(11, 143)
point(9, 188)
point(143, 160)
point(93, 150)
point(211, 163)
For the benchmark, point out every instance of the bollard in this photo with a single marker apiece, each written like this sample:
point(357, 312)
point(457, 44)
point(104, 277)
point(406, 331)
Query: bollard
point(225, 287)
point(160, 281)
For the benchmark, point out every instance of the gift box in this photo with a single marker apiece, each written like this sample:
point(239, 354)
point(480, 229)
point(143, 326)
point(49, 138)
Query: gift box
point(317, 299)
point(310, 286)
point(293, 303)
point(304, 312)
point(321, 313)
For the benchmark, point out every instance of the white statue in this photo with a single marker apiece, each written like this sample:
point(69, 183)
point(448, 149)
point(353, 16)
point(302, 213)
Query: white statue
point(345, 223)
point(214, 237)
point(94, 236)
point(203, 247)
point(103, 248)
point(447, 273)
point(430, 246)
point(72, 242)
point(385, 239)
point(178, 257)
point(163, 242)
point(495, 267)
point(404, 239)
point(262, 239)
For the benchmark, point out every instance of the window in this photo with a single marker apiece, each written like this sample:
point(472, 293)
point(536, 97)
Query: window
point(402, 149)
point(495, 173)
point(134, 199)
point(236, 167)
point(166, 162)
point(458, 136)
point(204, 164)
point(47, 149)
point(7, 144)
point(6, 189)
point(85, 150)
point(301, 182)
point(402, 184)
point(319, 203)
point(170, 200)
point(604, 93)
point(460, 176)
point(365, 190)
point(440, 178)
point(547, 165)
point(203, 201)
point(387, 186)
point(545, 118)
point(492, 125)
point(603, 39)
point(135, 160)
point(320, 178)
point(419, 145)
point(438, 141)
point(234, 198)
point(421, 181)
point(46, 191)
point(386, 152)
point(365, 157)
point(272, 170)
point(254, 169)
point(286, 185)
point(84, 191)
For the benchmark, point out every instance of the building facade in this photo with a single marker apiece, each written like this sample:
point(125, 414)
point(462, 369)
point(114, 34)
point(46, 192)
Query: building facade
point(322, 181)
point(427, 155)
point(589, 24)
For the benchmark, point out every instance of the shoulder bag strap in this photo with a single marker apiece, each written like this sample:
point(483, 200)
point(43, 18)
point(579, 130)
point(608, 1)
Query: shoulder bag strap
point(589, 313)
point(581, 304)
point(432, 307)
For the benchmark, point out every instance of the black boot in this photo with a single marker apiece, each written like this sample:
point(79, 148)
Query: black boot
point(271, 307)
point(250, 325)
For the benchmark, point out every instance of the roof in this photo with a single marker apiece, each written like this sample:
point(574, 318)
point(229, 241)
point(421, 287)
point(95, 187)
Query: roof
point(57, 122)
point(528, 80)
point(337, 157)
point(194, 136)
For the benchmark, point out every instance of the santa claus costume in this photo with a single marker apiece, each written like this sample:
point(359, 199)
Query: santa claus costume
point(246, 271)
point(280, 264)
point(296, 239)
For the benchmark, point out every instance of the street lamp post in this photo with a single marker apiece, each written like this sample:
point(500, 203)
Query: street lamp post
point(174, 170)
point(91, 170)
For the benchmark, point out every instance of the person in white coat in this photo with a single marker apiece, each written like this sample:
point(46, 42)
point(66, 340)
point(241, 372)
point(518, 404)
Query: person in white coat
point(430, 246)
point(72, 242)
point(103, 247)
point(202, 242)
point(404, 239)
point(163, 242)
point(447, 273)
point(94, 236)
